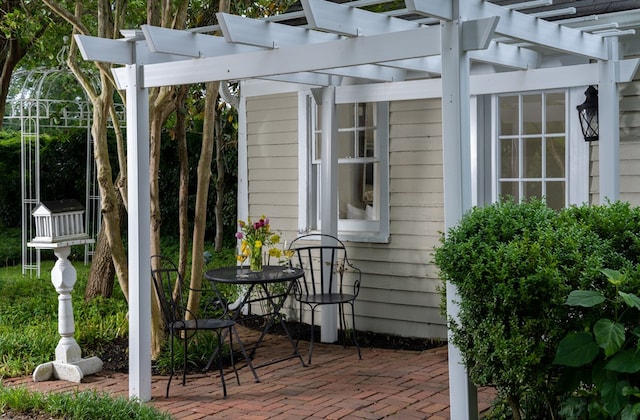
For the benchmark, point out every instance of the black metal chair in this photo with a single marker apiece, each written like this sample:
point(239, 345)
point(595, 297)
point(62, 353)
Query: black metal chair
point(325, 263)
point(182, 324)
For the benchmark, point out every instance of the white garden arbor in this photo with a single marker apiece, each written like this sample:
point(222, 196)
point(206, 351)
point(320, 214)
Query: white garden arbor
point(459, 48)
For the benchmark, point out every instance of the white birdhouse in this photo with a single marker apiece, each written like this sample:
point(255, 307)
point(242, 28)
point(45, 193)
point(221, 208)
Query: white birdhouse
point(59, 220)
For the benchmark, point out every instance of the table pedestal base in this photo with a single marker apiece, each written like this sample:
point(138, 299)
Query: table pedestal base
point(72, 372)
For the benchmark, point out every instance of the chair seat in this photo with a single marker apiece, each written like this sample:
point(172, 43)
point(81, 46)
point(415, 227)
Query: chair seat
point(202, 324)
point(325, 298)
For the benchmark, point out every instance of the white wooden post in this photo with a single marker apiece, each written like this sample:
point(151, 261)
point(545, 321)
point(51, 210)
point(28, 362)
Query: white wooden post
point(609, 125)
point(329, 198)
point(139, 229)
point(456, 142)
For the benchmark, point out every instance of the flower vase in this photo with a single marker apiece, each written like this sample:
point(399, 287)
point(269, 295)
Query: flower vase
point(255, 260)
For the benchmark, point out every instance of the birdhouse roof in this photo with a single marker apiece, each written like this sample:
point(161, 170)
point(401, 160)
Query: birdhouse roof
point(60, 206)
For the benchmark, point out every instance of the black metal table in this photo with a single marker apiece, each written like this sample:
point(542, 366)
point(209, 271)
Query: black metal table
point(274, 301)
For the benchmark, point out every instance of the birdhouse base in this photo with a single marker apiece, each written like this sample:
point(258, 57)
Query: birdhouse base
point(72, 372)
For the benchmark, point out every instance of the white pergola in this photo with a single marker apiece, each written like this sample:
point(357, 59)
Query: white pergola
point(462, 47)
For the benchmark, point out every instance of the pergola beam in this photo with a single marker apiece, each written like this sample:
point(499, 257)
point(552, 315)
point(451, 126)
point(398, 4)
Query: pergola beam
point(314, 57)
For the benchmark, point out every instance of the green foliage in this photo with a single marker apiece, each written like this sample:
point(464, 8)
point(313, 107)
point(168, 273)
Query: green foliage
point(29, 322)
point(513, 266)
point(78, 405)
point(607, 374)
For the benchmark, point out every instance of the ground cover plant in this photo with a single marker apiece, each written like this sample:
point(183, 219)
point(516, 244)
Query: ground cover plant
point(19, 403)
point(514, 266)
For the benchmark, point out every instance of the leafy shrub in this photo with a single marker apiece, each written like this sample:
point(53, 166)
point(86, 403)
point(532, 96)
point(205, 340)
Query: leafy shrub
point(604, 354)
point(513, 266)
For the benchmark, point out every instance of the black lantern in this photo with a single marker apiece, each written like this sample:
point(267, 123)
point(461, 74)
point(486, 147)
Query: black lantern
point(588, 114)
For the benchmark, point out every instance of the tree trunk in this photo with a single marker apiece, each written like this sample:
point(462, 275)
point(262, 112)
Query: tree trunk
point(183, 193)
point(219, 207)
point(202, 194)
point(102, 273)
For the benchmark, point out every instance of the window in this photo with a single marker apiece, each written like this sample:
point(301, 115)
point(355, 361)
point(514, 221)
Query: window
point(363, 170)
point(532, 147)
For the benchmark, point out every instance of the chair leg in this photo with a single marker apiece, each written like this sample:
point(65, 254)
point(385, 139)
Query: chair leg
point(220, 367)
point(173, 367)
point(355, 332)
point(233, 364)
point(184, 358)
point(313, 323)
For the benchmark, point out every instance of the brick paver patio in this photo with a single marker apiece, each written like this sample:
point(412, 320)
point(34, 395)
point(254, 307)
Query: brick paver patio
point(384, 384)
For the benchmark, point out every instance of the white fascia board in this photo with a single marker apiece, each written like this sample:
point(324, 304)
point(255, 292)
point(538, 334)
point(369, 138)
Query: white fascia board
point(305, 78)
point(105, 50)
point(508, 56)
point(190, 44)
point(524, 27)
point(516, 81)
point(265, 34)
point(351, 21)
point(370, 72)
point(420, 42)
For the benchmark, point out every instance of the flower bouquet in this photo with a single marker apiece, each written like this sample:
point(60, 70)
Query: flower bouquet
point(255, 236)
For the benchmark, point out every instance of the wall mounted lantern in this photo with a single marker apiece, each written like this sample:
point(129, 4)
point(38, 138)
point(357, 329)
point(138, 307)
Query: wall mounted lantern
point(588, 114)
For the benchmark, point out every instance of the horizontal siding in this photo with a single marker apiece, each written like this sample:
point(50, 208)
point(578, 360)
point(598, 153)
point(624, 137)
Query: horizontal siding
point(400, 285)
point(272, 148)
point(629, 148)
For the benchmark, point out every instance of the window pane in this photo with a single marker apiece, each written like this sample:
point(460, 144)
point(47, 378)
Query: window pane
point(532, 114)
point(366, 143)
point(532, 158)
point(508, 115)
point(509, 158)
point(509, 189)
point(345, 115)
point(318, 146)
point(365, 115)
point(356, 185)
point(346, 145)
point(555, 113)
point(555, 194)
point(532, 189)
point(555, 157)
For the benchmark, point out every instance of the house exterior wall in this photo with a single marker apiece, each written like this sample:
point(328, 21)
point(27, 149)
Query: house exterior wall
point(399, 292)
point(629, 148)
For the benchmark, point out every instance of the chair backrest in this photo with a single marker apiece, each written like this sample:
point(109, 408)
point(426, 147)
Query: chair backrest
point(169, 285)
point(324, 261)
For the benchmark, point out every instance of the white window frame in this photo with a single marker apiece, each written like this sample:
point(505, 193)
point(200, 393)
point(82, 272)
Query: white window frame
point(576, 149)
point(376, 231)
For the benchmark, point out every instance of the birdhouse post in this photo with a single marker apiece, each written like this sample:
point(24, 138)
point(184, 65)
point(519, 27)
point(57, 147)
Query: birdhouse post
point(60, 225)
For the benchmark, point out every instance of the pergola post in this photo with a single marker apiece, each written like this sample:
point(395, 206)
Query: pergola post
point(456, 140)
point(139, 228)
point(609, 125)
point(329, 197)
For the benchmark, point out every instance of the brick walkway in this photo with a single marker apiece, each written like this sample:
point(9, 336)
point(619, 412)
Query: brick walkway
point(384, 384)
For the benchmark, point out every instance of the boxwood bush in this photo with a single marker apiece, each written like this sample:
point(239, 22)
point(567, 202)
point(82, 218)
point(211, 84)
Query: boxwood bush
point(513, 266)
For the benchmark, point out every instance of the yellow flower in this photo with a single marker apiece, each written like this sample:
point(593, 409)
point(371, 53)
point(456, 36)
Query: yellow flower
point(258, 244)
point(275, 252)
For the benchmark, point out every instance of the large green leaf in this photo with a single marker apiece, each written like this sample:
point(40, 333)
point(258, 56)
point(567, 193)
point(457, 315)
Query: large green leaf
point(609, 335)
point(586, 298)
point(612, 398)
point(576, 349)
point(615, 277)
point(632, 300)
point(626, 361)
point(630, 412)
